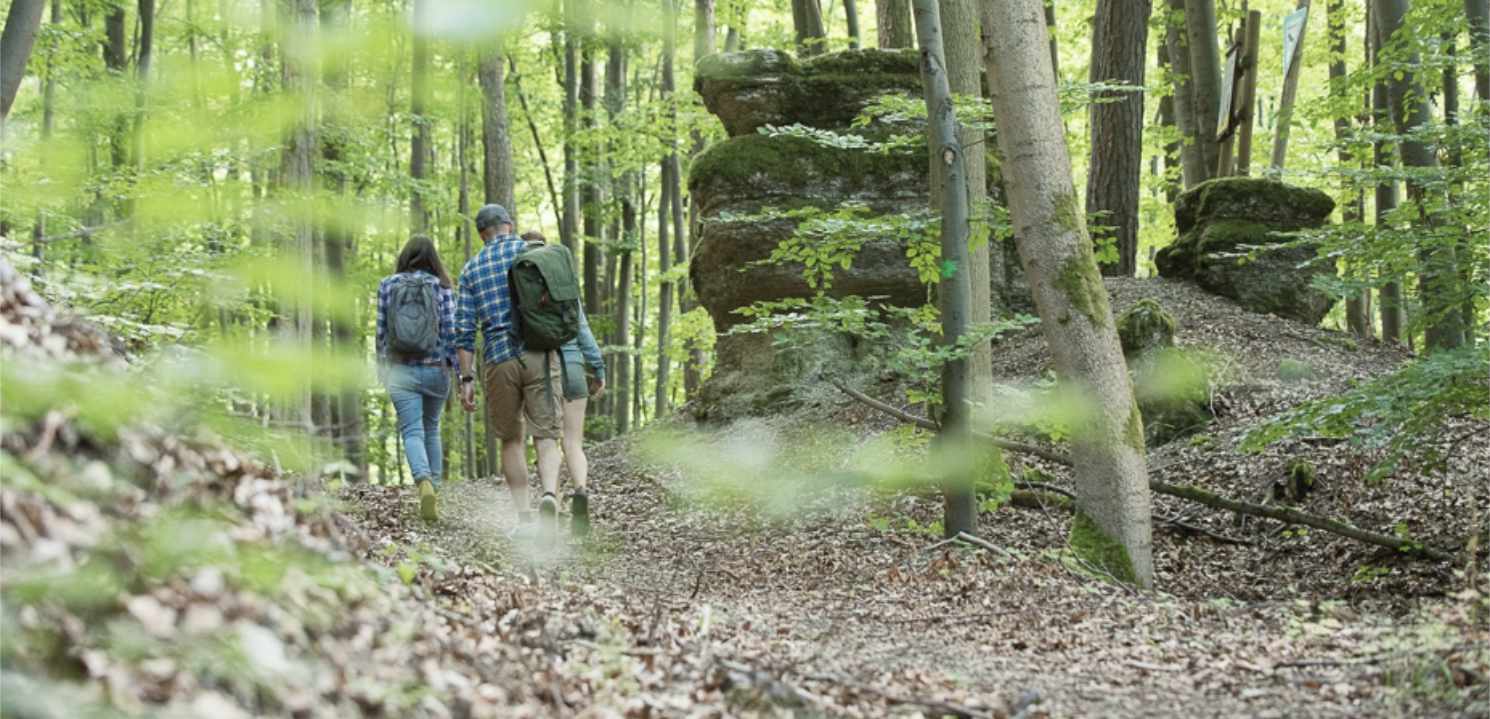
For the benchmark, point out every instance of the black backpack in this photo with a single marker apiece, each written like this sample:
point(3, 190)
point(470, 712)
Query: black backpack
point(413, 317)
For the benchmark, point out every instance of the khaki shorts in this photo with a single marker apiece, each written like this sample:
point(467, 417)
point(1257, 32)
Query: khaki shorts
point(514, 390)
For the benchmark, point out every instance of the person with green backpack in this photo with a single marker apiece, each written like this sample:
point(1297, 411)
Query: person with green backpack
point(526, 305)
point(416, 351)
point(583, 378)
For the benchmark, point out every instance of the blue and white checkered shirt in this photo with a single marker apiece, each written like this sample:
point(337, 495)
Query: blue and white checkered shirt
point(445, 301)
point(486, 301)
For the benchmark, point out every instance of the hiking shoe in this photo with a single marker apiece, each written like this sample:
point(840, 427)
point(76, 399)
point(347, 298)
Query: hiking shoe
point(579, 520)
point(428, 502)
point(548, 511)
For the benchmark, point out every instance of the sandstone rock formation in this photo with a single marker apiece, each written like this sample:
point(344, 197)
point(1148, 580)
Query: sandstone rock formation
point(1219, 220)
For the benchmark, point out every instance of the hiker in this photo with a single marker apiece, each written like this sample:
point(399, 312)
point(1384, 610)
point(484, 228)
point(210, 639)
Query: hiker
point(513, 377)
point(416, 351)
point(580, 354)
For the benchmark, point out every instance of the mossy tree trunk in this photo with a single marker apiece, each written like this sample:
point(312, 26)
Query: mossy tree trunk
point(1205, 80)
point(1438, 273)
point(1113, 524)
point(1119, 44)
point(955, 288)
point(892, 23)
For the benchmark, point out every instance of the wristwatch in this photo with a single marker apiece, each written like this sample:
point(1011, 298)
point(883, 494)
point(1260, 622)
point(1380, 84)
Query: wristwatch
point(466, 378)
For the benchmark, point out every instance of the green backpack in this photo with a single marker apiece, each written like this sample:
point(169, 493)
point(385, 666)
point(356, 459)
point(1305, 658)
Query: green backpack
point(545, 296)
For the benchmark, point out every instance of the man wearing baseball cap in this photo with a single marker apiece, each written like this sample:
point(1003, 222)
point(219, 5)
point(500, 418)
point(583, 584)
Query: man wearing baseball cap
point(512, 377)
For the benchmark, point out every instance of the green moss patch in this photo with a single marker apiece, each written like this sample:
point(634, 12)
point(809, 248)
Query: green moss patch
point(752, 165)
point(1079, 281)
point(1093, 546)
point(1145, 326)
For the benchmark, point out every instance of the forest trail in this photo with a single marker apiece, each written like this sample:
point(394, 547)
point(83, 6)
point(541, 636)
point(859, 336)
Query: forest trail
point(824, 612)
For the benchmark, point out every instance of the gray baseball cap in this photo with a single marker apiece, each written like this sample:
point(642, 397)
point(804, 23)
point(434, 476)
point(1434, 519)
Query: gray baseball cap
point(492, 215)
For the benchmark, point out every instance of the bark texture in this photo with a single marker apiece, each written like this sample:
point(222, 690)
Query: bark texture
point(1192, 161)
point(497, 172)
point(1112, 527)
point(1119, 45)
point(21, 25)
point(1393, 313)
point(892, 23)
point(807, 20)
point(1478, 12)
point(419, 146)
point(1205, 80)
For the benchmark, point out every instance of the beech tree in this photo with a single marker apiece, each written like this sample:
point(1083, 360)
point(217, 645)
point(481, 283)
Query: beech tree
point(1205, 80)
point(807, 20)
point(21, 25)
point(955, 289)
point(1119, 44)
point(1111, 528)
point(892, 23)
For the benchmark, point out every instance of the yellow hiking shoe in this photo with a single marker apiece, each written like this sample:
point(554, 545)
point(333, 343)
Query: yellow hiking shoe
point(427, 501)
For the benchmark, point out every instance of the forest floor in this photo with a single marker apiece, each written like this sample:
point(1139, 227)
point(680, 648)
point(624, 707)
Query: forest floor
point(153, 573)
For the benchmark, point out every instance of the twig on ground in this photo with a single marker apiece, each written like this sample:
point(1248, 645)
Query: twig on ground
point(1175, 522)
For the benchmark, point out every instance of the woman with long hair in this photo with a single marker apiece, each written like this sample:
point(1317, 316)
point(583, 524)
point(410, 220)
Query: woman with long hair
point(583, 378)
point(416, 352)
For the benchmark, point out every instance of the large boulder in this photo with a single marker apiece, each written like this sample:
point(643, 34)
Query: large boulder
point(733, 181)
point(748, 90)
point(1222, 220)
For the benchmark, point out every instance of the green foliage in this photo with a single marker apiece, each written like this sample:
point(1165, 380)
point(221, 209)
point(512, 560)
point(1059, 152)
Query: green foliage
point(1399, 413)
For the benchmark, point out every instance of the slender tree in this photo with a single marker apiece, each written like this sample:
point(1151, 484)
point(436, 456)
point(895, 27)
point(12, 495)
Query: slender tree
point(851, 10)
point(419, 145)
point(569, 219)
point(955, 289)
point(1478, 14)
point(497, 172)
point(1357, 308)
point(300, 79)
point(807, 20)
point(664, 218)
point(1192, 161)
point(1112, 525)
point(1438, 275)
point(703, 28)
point(892, 23)
point(1119, 44)
point(593, 241)
point(620, 364)
point(1205, 80)
point(1393, 311)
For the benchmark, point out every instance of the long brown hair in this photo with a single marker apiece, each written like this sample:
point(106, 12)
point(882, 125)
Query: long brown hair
point(420, 254)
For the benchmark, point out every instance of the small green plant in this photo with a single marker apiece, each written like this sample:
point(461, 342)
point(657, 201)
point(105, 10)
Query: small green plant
point(1369, 572)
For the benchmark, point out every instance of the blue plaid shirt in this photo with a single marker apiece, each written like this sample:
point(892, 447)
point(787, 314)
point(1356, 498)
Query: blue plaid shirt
point(445, 351)
point(486, 301)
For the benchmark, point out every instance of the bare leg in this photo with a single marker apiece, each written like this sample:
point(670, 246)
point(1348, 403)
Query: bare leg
point(548, 464)
point(574, 442)
point(515, 468)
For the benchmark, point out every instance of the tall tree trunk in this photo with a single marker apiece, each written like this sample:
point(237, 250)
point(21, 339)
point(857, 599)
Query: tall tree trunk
point(1172, 149)
point(1393, 311)
point(1205, 80)
point(1192, 160)
point(959, 31)
point(21, 25)
point(851, 10)
point(569, 218)
point(301, 78)
point(1478, 12)
point(703, 28)
point(590, 209)
point(1357, 308)
point(340, 245)
point(807, 20)
point(1055, 54)
point(664, 216)
point(892, 23)
point(115, 58)
point(419, 145)
point(1114, 174)
point(548, 176)
point(48, 117)
point(620, 365)
point(1439, 275)
point(955, 289)
point(1112, 526)
point(497, 173)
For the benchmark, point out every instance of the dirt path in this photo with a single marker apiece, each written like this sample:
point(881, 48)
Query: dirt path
point(679, 609)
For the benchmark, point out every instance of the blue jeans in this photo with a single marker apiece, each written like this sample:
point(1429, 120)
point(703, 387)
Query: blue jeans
point(418, 394)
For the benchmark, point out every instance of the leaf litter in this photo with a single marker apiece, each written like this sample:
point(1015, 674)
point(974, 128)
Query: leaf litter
point(150, 573)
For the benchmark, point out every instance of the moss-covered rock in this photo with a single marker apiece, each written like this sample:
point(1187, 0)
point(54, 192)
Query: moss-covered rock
point(1221, 221)
point(748, 90)
point(1145, 326)
point(1173, 393)
point(752, 171)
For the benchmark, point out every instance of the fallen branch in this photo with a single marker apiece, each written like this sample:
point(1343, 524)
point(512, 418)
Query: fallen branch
point(1293, 516)
point(1193, 494)
point(924, 423)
